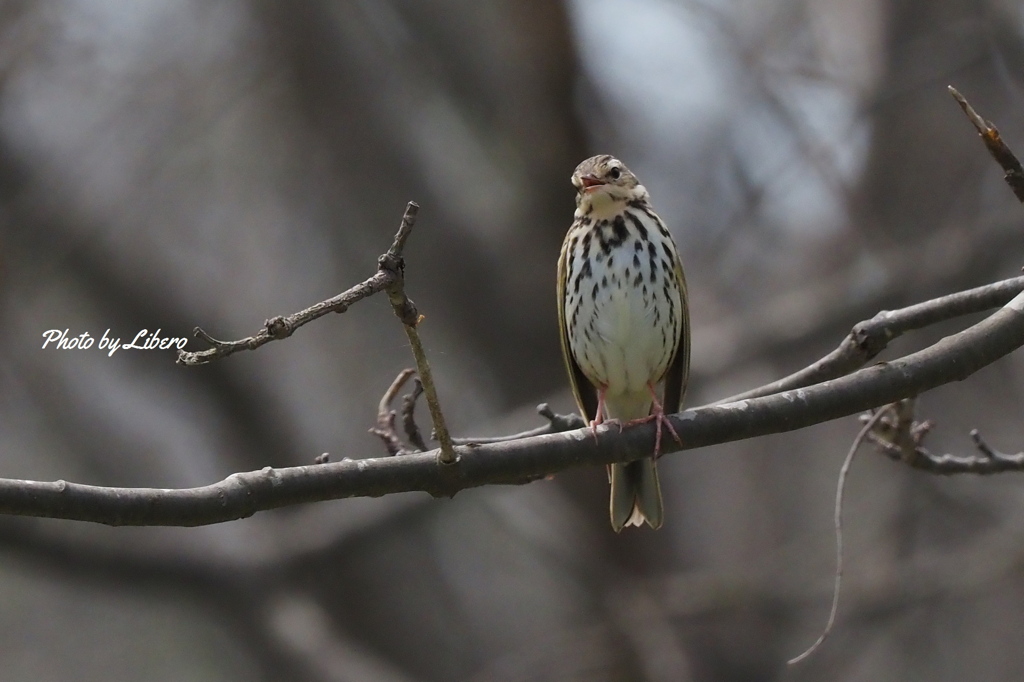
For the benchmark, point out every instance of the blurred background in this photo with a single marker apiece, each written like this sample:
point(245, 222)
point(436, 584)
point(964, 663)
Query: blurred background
point(166, 164)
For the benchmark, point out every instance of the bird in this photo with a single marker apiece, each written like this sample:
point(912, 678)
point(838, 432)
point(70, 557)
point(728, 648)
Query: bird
point(624, 319)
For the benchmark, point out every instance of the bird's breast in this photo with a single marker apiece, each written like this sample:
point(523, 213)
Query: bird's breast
point(623, 303)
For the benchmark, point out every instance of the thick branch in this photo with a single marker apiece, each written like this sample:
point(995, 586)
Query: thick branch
point(240, 495)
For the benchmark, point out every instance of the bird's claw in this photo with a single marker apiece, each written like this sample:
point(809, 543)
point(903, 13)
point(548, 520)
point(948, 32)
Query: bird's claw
point(659, 417)
point(611, 422)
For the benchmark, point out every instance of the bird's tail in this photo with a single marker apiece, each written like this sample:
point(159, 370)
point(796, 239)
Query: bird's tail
point(636, 494)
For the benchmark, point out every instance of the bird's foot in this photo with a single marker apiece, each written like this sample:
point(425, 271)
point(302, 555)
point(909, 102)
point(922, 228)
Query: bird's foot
point(658, 415)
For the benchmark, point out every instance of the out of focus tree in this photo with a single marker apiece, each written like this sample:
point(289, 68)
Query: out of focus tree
point(168, 164)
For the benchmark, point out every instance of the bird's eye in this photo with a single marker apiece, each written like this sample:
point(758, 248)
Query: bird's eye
point(614, 173)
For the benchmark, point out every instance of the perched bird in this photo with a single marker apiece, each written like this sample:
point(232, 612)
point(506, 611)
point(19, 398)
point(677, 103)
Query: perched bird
point(625, 323)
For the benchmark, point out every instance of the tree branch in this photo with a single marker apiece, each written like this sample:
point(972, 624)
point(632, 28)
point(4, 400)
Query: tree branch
point(871, 337)
point(385, 429)
point(240, 495)
point(901, 437)
point(389, 271)
point(557, 423)
point(406, 311)
point(867, 339)
point(390, 277)
point(1012, 171)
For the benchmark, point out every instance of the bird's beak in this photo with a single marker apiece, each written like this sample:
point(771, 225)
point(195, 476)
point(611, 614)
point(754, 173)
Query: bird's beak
point(590, 182)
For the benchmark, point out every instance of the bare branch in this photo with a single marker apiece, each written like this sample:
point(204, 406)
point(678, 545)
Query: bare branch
point(871, 337)
point(385, 429)
point(390, 277)
point(240, 495)
point(902, 438)
point(1013, 173)
point(865, 341)
point(412, 431)
point(406, 311)
point(557, 423)
point(386, 416)
point(389, 268)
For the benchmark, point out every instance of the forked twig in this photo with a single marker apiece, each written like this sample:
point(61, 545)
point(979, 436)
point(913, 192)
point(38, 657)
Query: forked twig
point(900, 436)
point(412, 431)
point(390, 277)
point(283, 326)
point(406, 311)
point(385, 428)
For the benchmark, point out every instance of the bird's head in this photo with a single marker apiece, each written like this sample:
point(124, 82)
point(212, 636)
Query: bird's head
point(603, 183)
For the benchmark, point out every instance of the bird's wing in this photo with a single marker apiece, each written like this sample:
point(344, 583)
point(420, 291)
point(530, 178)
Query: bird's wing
point(678, 373)
point(582, 389)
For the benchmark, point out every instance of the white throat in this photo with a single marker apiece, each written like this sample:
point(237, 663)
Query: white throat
point(609, 201)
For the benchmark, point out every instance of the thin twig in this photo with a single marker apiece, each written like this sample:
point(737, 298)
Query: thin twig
point(1012, 171)
point(281, 327)
point(557, 423)
point(412, 431)
point(902, 439)
point(406, 311)
point(385, 429)
point(838, 519)
point(988, 462)
point(390, 277)
point(444, 439)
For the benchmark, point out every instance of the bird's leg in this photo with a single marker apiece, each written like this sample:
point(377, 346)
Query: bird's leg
point(599, 417)
point(657, 414)
point(601, 411)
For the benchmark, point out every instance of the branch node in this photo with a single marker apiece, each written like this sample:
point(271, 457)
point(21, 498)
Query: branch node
point(445, 462)
point(278, 328)
point(391, 263)
point(872, 336)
